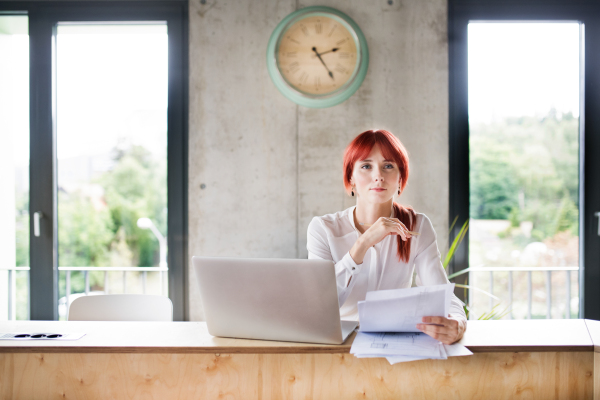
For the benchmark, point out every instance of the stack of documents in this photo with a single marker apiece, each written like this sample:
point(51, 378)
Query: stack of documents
point(388, 324)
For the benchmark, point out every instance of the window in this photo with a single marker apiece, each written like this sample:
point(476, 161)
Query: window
point(14, 164)
point(108, 160)
point(524, 167)
point(111, 141)
point(551, 207)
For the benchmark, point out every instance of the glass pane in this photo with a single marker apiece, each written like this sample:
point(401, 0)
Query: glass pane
point(524, 168)
point(112, 165)
point(14, 167)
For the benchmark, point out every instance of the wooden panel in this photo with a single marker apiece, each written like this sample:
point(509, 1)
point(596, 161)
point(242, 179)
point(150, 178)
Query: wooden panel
point(596, 376)
point(193, 337)
point(594, 331)
point(283, 376)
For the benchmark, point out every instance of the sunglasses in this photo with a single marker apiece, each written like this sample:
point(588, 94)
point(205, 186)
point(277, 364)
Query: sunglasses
point(37, 336)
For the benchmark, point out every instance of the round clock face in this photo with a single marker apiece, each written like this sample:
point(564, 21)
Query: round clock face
point(317, 55)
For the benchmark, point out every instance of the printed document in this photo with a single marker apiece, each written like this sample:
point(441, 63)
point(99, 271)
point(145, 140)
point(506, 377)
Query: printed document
point(400, 310)
point(388, 324)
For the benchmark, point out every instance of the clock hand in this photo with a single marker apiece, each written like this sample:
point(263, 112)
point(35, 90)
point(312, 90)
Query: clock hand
point(329, 51)
point(325, 65)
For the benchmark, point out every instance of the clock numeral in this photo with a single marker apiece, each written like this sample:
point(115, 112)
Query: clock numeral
point(291, 54)
point(292, 39)
point(293, 68)
point(345, 55)
point(331, 31)
point(318, 27)
point(304, 30)
point(339, 68)
point(303, 78)
point(317, 82)
point(341, 41)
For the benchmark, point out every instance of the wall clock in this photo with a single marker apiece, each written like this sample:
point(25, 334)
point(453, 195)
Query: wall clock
point(317, 57)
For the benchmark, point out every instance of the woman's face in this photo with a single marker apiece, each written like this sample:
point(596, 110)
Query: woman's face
point(375, 179)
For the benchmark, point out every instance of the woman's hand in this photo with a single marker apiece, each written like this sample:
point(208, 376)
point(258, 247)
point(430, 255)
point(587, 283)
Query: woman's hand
point(384, 227)
point(446, 330)
point(376, 233)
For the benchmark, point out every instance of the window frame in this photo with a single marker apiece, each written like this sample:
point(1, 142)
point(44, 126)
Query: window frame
point(587, 12)
point(43, 17)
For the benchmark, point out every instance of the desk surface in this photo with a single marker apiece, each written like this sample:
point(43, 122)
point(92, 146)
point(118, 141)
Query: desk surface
point(193, 337)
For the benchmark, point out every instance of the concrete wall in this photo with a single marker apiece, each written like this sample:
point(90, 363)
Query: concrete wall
point(262, 167)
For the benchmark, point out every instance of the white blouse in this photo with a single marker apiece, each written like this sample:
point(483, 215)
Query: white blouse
point(331, 237)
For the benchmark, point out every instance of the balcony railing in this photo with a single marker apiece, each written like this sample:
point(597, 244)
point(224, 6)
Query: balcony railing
point(86, 274)
point(548, 272)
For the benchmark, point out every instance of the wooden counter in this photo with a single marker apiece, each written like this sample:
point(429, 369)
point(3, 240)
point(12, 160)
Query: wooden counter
point(513, 359)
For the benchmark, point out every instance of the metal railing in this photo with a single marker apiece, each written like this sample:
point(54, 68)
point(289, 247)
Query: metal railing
point(86, 271)
point(547, 270)
point(162, 270)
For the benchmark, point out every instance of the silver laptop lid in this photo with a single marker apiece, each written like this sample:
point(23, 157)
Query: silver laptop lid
point(271, 299)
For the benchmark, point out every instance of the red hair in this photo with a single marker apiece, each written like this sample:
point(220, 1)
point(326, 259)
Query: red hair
point(391, 149)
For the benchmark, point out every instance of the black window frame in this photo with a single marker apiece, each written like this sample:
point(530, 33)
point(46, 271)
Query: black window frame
point(43, 16)
point(460, 12)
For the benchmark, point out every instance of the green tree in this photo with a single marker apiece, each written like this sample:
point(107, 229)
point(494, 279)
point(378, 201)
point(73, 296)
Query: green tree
point(137, 187)
point(84, 233)
point(527, 169)
point(105, 232)
point(494, 189)
point(22, 230)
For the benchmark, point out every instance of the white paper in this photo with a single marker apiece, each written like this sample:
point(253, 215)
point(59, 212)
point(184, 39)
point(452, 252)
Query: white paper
point(389, 344)
point(452, 350)
point(388, 324)
point(64, 336)
point(400, 310)
point(398, 359)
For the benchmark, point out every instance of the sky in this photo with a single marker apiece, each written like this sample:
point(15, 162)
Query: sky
point(111, 89)
point(522, 69)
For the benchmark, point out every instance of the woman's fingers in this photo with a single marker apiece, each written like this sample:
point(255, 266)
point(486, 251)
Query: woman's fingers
point(394, 229)
point(405, 235)
point(398, 221)
point(402, 233)
point(440, 321)
point(399, 224)
point(432, 328)
point(394, 221)
point(445, 330)
point(441, 333)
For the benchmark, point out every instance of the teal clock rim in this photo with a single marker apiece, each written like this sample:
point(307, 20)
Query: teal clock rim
point(299, 98)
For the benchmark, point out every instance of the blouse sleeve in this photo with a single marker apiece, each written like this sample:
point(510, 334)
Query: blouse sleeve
point(318, 248)
point(428, 265)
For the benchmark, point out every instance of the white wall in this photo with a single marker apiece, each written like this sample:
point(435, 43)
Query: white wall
point(269, 166)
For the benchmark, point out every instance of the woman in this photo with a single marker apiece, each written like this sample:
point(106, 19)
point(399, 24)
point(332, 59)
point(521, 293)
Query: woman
point(371, 243)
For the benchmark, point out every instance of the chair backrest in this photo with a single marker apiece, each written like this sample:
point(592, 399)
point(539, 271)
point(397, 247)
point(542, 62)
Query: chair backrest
point(121, 307)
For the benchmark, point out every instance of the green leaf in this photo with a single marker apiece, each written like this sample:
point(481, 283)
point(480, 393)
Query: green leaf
point(493, 314)
point(455, 243)
point(452, 225)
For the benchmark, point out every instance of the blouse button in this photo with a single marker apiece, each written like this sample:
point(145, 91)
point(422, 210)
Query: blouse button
point(353, 268)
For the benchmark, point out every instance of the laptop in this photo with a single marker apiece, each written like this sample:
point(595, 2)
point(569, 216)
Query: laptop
point(271, 299)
